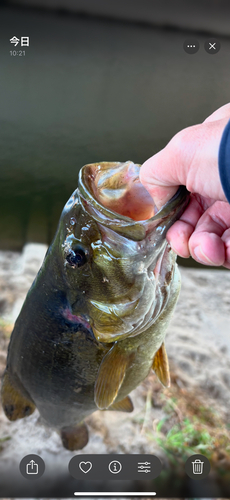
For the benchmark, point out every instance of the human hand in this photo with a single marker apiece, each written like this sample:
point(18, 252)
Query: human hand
point(191, 159)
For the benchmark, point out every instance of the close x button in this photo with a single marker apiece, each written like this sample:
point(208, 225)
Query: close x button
point(212, 46)
point(110, 467)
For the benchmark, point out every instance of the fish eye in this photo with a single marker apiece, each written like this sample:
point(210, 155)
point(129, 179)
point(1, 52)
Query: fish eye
point(77, 257)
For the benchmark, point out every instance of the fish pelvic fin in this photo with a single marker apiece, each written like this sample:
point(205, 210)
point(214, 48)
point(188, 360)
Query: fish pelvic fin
point(161, 366)
point(125, 405)
point(15, 404)
point(110, 377)
point(75, 437)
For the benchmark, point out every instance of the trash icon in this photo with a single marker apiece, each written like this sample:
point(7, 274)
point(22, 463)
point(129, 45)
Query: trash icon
point(197, 466)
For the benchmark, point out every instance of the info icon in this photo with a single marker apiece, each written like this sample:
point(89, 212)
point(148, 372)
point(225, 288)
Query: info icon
point(191, 46)
point(197, 467)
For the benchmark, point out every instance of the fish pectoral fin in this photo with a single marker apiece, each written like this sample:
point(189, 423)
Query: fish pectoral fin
point(123, 405)
point(15, 404)
point(110, 377)
point(161, 366)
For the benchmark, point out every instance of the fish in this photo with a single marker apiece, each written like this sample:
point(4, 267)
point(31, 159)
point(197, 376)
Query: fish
point(93, 323)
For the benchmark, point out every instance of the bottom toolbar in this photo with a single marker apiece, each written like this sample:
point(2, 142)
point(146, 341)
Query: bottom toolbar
point(107, 467)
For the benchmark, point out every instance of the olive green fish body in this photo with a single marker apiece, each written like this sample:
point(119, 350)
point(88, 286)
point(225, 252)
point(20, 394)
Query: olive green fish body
point(52, 354)
point(94, 321)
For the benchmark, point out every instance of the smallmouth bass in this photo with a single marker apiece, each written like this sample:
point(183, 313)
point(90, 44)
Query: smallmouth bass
point(94, 321)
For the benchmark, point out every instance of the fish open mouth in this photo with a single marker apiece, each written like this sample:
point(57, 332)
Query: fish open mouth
point(117, 187)
point(114, 196)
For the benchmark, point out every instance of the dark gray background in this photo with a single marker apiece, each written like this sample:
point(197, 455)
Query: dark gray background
point(92, 89)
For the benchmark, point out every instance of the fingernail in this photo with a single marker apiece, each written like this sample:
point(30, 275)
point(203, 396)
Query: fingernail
point(201, 257)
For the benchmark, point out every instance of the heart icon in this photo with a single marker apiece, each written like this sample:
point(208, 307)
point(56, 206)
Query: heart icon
point(85, 466)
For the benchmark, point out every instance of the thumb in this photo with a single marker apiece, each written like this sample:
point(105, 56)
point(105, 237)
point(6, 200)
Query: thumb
point(159, 177)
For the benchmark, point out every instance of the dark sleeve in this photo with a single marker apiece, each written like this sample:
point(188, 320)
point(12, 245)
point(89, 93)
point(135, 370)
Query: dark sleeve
point(224, 161)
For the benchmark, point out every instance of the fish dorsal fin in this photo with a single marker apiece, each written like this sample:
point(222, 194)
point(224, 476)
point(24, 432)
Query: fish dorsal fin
point(123, 405)
point(110, 377)
point(161, 366)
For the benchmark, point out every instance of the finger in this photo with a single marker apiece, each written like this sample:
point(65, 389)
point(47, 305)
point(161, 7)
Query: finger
point(207, 248)
point(226, 239)
point(206, 244)
point(178, 235)
point(157, 176)
point(223, 112)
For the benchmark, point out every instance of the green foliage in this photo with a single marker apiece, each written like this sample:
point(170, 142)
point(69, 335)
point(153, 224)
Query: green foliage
point(203, 433)
point(5, 327)
point(2, 440)
point(6, 438)
point(185, 439)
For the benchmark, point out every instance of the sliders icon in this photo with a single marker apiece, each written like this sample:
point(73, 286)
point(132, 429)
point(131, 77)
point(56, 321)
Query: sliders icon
point(144, 467)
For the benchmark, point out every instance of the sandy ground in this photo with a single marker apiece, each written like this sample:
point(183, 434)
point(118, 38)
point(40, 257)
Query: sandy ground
point(198, 346)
